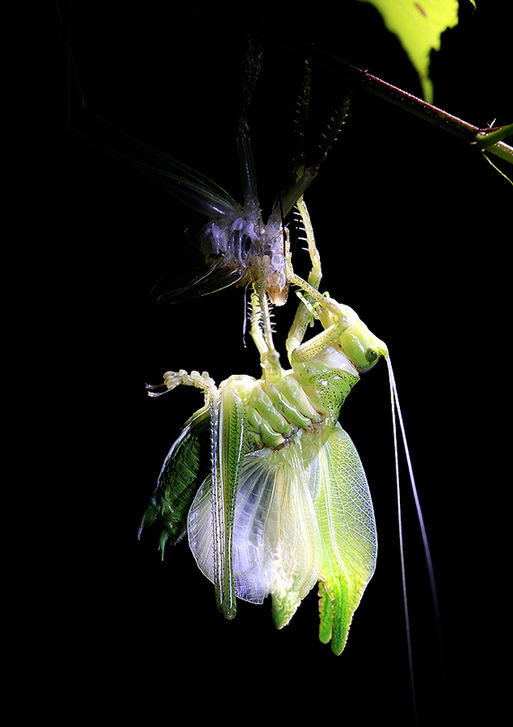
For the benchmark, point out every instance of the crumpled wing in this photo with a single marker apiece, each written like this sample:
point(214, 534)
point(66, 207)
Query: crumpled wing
point(178, 481)
point(276, 548)
point(211, 279)
point(191, 187)
point(302, 514)
point(346, 521)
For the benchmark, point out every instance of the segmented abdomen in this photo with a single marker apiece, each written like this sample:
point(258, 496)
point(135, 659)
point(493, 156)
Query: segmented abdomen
point(276, 411)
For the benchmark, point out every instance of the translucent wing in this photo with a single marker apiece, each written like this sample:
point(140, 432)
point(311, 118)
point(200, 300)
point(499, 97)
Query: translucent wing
point(195, 190)
point(187, 184)
point(346, 522)
point(302, 514)
point(276, 548)
point(211, 279)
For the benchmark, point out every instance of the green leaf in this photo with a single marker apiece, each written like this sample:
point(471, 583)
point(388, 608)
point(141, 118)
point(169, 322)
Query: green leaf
point(419, 26)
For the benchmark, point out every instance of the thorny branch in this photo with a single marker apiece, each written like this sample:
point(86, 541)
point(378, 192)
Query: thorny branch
point(489, 140)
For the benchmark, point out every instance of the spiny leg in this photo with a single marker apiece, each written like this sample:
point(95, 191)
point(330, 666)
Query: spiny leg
point(341, 325)
point(322, 300)
point(308, 173)
point(315, 275)
point(335, 318)
point(303, 313)
point(299, 123)
point(256, 326)
point(301, 352)
point(261, 332)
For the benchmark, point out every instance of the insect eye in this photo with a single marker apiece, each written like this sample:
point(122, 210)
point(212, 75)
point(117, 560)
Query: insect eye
point(371, 355)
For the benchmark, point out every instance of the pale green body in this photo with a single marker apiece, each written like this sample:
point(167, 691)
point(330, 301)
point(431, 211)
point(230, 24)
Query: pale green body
point(275, 411)
point(286, 503)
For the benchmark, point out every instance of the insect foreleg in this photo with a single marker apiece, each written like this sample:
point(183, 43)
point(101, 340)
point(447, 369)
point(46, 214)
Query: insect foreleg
point(261, 332)
point(303, 313)
point(315, 275)
point(308, 288)
point(256, 326)
point(334, 317)
point(312, 348)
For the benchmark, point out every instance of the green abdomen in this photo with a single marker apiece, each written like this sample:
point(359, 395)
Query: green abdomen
point(300, 399)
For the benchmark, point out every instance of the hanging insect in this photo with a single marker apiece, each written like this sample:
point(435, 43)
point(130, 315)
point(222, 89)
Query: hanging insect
point(286, 504)
point(237, 245)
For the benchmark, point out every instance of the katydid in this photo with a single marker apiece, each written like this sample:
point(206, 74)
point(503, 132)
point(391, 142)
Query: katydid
point(286, 504)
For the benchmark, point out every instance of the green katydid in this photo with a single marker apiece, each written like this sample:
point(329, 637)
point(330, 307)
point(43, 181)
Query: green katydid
point(277, 449)
point(286, 504)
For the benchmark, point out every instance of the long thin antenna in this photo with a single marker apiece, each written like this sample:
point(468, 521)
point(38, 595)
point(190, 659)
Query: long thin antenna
point(393, 401)
point(397, 415)
point(425, 541)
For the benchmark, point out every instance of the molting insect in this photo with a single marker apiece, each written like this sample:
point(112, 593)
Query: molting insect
point(286, 504)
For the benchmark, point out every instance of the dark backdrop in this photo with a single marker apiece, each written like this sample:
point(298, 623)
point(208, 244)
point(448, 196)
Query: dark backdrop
point(413, 229)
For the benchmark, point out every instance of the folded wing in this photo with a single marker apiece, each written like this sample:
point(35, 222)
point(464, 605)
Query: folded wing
point(346, 522)
point(303, 514)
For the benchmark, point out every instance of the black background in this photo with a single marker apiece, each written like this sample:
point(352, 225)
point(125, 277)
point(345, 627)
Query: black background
point(413, 229)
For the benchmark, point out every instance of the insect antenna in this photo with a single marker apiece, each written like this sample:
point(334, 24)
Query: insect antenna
point(398, 418)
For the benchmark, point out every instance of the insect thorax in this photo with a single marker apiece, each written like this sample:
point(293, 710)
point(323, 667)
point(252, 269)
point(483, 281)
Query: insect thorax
point(245, 243)
point(309, 399)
